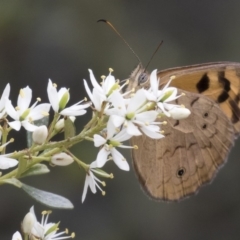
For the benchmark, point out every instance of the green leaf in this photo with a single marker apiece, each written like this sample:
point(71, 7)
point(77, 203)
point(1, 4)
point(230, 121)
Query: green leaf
point(37, 169)
point(69, 128)
point(40, 122)
point(47, 198)
point(13, 181)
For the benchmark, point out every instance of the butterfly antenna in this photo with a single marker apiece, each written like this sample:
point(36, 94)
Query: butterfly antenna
point(115, 30)
point(159, 45)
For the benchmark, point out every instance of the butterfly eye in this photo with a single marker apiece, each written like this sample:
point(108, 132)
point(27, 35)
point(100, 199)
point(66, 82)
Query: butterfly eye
point(181, 172)
point(204, 126)
point(143, 77)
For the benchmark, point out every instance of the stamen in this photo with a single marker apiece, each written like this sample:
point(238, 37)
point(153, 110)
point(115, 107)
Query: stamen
point(55, 85)
point(103, 183)
point(110, 70)
point(44, 212)
point(21, 93)
point(73, 235)
point(135, 147)
point(39, 99)
point(111, 176)
point(17, 108)
point(103, 77)
point(85, 99)
point(103, 193)
point(172, 77)
point(45, 114)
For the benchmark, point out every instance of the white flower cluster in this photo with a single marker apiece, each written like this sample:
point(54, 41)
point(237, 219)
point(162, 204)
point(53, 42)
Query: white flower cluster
point(43, 230)
point(127, 117)
point(25, 115)
point(116, 118)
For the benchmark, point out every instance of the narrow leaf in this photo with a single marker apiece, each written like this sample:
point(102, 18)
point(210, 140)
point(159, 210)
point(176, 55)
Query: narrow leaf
point(69, 128)
point(47, 198)
point(13, 181)
point(37, 169)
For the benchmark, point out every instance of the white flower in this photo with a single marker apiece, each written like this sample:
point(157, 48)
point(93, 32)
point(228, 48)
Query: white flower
point(161, 97)
point(40, 134)
point(91, 181)
point(109, 147)
point(47, 231)
point(17, 236)
point(59, 100)
point(133, 116)
point(23, 115)
point(29, 221)
point(61, 159)
point(3, 100)
point(101, 93)
point(6, 162)
point(179, 112)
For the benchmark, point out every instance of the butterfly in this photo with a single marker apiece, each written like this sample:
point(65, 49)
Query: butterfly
point(195, 148)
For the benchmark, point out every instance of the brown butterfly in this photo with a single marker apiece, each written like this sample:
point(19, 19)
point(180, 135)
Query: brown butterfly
point(193, 149)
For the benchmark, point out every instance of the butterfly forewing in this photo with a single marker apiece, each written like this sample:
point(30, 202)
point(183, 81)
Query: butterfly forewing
point(218, 81)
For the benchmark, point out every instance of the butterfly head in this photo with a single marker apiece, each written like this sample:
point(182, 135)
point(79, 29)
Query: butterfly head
point(139, 78)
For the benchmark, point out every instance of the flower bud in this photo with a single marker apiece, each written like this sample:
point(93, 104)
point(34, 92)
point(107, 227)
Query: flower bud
point(64, 100)
point(61, 159)
point(60, 124)
point(17, 236)
point(40, 135)
point(28, 223)
point(179, 113)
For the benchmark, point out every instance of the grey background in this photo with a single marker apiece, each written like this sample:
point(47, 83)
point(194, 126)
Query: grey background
point(61, 40)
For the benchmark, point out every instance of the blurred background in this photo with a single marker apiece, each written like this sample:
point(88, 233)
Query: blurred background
point(61, 40)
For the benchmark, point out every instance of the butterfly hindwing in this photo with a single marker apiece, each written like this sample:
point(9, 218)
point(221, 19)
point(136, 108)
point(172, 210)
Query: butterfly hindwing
point(191, 153)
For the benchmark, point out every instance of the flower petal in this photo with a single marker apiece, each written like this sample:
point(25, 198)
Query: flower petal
point(152, 131)
point(53, 96)
point(119, 160)
point(16, 125)
point(98, 140)
point(85, 188)
point(28, 126)
point(39, 111)
point(102, 157)
point(133, 130)
point(5, 96)
point(17, 236)
point(11, 110)
point(148, 116)
point(137, 101)
point(24, 98)
point(6, 162)
point(94, 81)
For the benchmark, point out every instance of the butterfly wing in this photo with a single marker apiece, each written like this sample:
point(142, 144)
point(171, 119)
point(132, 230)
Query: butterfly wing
point(191, 153)
point(219, 81)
